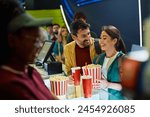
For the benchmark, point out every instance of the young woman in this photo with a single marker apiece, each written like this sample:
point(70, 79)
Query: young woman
point(59, 44)
point(113, 46)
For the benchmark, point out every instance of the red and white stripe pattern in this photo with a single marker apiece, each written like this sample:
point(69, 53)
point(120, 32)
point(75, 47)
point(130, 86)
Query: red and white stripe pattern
point(95, 72)
point(59, 87)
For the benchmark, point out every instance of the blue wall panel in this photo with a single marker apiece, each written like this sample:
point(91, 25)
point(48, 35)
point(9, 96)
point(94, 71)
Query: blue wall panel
point(123, 14)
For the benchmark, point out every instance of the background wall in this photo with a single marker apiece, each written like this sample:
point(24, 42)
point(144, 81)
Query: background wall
point(42, 4)
point(123, 14)
point(45, 9)
point(54, 13)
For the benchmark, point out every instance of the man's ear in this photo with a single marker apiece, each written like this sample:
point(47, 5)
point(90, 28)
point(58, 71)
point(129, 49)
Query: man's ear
point(73, 37)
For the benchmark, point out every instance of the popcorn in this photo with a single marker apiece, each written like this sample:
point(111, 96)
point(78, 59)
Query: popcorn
point(92, 66)
point(58, 78)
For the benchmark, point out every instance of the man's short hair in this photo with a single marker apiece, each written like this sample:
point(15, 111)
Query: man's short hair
point(79, 15)
point(56, 25)
point(79, 24)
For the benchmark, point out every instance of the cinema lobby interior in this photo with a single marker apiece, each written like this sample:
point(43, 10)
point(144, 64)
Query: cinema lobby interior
point(75, 50)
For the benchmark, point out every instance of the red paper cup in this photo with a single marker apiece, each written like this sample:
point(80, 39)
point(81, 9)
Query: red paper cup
point(87, 86)
point(76, 75)
point(95, 72)
point(59, 86)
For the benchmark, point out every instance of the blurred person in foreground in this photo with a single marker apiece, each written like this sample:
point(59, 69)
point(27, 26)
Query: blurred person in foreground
point(136, 75)
point(136, 67)
point(19, 44)
point(133, 67)
point(81, 50)
point(113, 46)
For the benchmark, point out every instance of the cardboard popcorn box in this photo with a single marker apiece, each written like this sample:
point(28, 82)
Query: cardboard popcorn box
point(59, 86)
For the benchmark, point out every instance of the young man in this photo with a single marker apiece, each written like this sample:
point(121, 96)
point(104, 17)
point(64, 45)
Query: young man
point(81, 50)
point(19, 44)
point(80, 16)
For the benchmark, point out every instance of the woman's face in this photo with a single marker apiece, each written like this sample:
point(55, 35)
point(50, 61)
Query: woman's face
point(64, 32)
point(106, 42)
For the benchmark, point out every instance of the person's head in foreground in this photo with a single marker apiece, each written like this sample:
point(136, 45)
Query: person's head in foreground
point(19, 44)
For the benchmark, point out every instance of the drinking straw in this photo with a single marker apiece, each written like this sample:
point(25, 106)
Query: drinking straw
point(86, 70)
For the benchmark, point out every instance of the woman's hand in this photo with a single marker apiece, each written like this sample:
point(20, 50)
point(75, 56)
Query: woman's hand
point(103, 82)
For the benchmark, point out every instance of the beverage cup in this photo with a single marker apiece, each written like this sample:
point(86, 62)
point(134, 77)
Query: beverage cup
point(95, 72)
point(87, 86)
point(76, 75)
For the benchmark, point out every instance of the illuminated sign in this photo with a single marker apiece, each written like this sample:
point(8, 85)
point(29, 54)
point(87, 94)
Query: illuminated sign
point(85, 2)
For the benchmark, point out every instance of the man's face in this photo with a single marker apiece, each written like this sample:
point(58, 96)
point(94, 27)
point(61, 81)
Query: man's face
point(64, 32)
point(82, 37)
point(27, 45)
point(50, 29)
point(55, 29)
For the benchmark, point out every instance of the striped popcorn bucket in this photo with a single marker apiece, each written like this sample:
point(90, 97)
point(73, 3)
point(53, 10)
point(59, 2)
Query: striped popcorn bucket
point(95, 72)
point(59, 88)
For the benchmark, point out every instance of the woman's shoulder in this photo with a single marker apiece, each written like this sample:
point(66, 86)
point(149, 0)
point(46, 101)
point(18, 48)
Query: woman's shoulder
point(98, 58)
point(121, 55)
